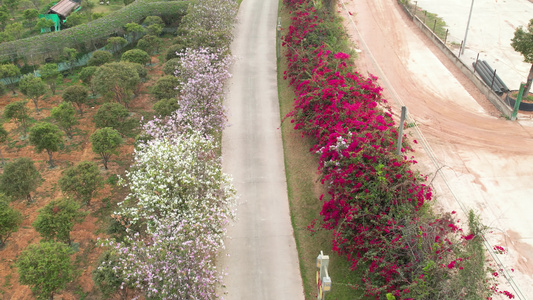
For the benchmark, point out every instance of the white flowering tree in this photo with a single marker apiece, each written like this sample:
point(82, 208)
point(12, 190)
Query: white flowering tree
point(178, 189)
point(176, 260)
point(181, 176)
point(201, 75)
point(178, 192)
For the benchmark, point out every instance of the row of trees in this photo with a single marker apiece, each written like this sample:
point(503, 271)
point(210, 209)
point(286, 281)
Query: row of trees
point(199, 171)
point(46, 266)
point(180, 200)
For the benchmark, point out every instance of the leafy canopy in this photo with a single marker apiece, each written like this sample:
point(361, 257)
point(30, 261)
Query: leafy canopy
point(65, 116)
point(78, 95)
point(56, 220)
point(46, 268)
point(106, 141)
point(81, 181)
point(46, 136)
point(20, 178)
point(10, 219)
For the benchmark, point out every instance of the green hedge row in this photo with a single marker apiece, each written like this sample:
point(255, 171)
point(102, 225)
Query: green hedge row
point(87, 34)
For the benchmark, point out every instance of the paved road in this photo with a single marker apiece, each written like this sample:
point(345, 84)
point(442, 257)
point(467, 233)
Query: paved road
point(262, 261)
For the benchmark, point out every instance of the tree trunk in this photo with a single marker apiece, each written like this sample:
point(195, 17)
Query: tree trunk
point(528, 83)
point(105, 159)
point(28, 198)
point(2, 158)
point(50, 161)
point(36, 106)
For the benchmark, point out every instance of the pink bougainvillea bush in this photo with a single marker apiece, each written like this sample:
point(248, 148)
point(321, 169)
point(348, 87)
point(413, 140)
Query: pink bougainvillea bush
point(377, 205)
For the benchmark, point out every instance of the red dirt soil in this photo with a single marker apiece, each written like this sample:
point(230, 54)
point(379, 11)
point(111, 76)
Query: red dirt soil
point(84, 233)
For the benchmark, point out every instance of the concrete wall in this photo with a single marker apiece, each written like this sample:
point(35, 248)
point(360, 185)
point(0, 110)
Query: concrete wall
point(468, 72)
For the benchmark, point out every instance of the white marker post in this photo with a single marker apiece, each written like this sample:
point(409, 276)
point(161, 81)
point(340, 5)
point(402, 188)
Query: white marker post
point(323, 281)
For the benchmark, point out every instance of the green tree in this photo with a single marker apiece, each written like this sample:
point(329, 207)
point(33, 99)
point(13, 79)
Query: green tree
point(172, 51)
point(3, 139)
point(115, 43)
point(523, 42)
point(30, 15)
point(116, 80)
point(70, 56)
point(154, 29)
point(136, 56)
point(141, 71)
point(150, 44)
point(166, 87)
point(165, 107)
point(75, 19)
point(5, 37)
point(135, 29)
point(20, 179)
point(10, 73)
point(150, 20)
point(46, 268)
point(86, 74)
point(77, 95)
point(100, 57)
point(116, 116)
point(128, 2)
point(105, 142)
point(43, 23)
point(46, 136)
point(49, 73)
point(2, 88)
point(18, 112)
point(82, 181)
point(14, 29)
point(4, 17)
point(65, 116)
point(12, 5)
point(33, 87)
point(56, 220)
point(10, 220)
point(171, 66)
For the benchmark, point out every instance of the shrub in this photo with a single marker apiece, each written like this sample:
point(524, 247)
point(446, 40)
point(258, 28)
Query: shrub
point(56, 220)
point(20, 179)
point(81, 181)
point(136, 56)
point(166, 87)
point(76, 94)
point(174, 50)
point(165, 107)
point(116, 116)
point(10, 220)
point(45, 267)
point(105, 142)
point(100, 57)
point(171, 66)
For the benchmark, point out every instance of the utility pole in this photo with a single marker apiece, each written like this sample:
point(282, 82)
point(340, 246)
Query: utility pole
point(400, 131)
point(517, 102)
point(466, 32)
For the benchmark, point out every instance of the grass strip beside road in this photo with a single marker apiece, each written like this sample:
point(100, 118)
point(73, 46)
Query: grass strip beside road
point(304, 188)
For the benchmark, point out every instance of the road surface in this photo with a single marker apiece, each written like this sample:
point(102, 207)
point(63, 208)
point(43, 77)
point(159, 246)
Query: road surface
point(485, 161)
point(262, 261)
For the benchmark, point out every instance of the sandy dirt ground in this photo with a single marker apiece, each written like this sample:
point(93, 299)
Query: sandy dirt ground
point(491, 29)
point(482, 161)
